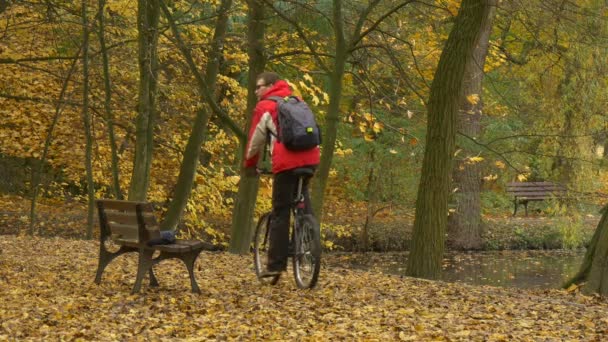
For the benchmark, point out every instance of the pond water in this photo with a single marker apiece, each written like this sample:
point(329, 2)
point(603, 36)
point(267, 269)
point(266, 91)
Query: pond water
point(522, 269)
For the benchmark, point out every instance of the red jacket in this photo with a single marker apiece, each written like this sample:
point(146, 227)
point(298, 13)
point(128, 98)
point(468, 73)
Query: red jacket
point(265, 121)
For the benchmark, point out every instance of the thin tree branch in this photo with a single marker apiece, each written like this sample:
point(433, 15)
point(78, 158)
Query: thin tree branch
point(370, 29)
point(205, 92)
point(302, 35)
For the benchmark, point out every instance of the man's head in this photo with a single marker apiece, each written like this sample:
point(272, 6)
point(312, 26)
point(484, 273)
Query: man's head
point(263, 82)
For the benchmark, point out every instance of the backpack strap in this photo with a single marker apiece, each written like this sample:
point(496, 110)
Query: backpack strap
point(277, 100)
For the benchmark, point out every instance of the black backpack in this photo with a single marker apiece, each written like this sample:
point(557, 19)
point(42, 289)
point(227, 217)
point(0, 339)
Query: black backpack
point(298, 130)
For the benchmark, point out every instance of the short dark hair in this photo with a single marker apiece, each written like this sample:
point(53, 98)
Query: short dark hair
point(268, 77)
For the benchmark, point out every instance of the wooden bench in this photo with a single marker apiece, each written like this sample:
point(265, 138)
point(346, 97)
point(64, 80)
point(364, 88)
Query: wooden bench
point(525, 192)
point(131, 225)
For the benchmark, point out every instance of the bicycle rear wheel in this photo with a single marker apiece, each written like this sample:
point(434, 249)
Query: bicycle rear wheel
point(307, 256)
point(261, 244)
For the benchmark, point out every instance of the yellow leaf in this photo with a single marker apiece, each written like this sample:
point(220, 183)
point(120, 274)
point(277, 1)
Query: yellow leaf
point(490, 177)
point(378, 127)
point(368, 137)
point(522, 177)
point(500, 164)
point(308, 78)
point(391, 151)
point(572, 288)
point(368, 117)
point(473, 99)
point(476, 159)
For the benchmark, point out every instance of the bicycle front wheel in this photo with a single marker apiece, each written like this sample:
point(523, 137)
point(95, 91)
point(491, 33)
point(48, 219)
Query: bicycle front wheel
point(307, 256)
point(261, 244)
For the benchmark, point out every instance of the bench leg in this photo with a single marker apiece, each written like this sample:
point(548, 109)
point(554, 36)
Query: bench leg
point(105, 258)
point(144, 265)
point(526, 206)
point(153, 280)
point(189, 259)
point(515, 211)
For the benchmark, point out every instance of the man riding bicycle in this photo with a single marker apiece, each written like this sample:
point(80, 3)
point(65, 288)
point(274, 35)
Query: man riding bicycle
point(265, 124)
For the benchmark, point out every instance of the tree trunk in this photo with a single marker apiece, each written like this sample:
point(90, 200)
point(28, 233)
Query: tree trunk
point(187, 171)
point(86, 117)
point(464, 225)
point(333, 111)
point(371, 180)
point(108, 101)
point(593, 273)
point(147, 25)
point(242, 214)
point(3, 5)
point(430, 222)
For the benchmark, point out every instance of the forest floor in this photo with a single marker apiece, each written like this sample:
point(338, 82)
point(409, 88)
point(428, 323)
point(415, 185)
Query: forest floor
point(48, 294)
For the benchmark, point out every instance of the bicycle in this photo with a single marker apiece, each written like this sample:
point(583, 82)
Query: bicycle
point(304, 237)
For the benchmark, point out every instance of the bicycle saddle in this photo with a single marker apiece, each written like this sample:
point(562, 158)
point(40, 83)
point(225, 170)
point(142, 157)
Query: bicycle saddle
point(303, 171)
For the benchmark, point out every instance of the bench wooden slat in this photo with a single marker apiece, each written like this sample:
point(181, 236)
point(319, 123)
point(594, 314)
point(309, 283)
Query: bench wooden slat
point(130, 231)
point(533, 184)
point(544, 188)
point(125, 232)
point(125, 205)
point(537, 194)
point(129, 217)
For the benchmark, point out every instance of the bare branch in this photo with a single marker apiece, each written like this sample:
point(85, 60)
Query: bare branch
point(302, 35)
point(370, 29)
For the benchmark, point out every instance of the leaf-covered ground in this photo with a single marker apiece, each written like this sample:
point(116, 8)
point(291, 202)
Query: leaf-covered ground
point(47, 293)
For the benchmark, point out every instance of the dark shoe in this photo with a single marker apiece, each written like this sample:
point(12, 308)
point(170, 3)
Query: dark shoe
point(268, 274)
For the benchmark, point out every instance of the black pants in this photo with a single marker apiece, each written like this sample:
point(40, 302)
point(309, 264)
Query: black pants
point(284, 189)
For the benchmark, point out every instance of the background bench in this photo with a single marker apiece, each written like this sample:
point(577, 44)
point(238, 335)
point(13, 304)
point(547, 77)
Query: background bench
point(131, 225)
point(525, 192)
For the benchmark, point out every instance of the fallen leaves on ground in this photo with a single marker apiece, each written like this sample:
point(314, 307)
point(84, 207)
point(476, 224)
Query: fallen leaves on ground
point(48, 294)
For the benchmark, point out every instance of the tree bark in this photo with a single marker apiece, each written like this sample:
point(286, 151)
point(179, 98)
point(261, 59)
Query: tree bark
point(108, 101)
point(427, 245)
point(197, 137)
point(464, 225)
point(593, 273)
point(242, 214)
point(147, 24)
point(86, 117)
point(3, 6)
point(333, 110)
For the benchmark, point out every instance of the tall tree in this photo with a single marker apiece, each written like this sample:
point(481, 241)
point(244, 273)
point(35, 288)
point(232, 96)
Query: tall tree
point(148, 12)
point(464, 224)
point(108, 99)
point(430, 221)
point(187, 171)
point(86, 117)
point(242, 214)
